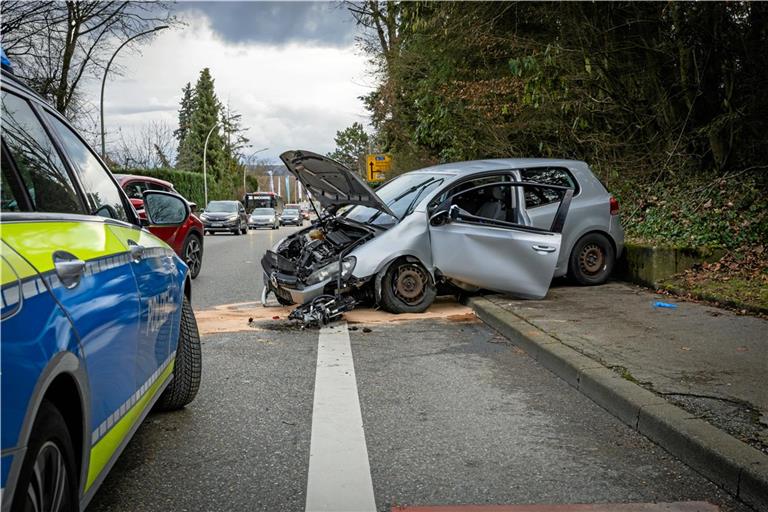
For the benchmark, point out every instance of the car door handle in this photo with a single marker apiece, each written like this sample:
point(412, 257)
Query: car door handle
point(136, 250)
point(543, 248)
point(69, 269)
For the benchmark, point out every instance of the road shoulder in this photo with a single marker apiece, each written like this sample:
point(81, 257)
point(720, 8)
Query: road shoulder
point(728, 462)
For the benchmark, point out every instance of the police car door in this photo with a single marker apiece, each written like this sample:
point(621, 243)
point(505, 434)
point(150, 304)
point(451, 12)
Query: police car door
point(81, 262)
point(150, 258)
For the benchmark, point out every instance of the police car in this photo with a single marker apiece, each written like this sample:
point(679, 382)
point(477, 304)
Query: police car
point(96, 322)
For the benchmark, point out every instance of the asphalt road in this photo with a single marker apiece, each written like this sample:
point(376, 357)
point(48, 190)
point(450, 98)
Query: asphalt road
point(452, 413)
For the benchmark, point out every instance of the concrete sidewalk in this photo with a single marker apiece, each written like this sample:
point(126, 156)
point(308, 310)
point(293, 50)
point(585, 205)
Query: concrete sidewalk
point(691, 363)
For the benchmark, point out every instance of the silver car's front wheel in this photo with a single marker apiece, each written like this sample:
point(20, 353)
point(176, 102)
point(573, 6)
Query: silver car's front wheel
point(407, 287)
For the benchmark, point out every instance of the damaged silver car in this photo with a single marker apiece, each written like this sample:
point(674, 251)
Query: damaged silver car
point(461, 225)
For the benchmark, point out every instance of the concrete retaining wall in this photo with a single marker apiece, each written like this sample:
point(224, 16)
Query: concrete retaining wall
point(649, 265)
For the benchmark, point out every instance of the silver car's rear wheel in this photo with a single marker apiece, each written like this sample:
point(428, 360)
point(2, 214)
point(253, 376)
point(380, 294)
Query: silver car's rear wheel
point(592, 259)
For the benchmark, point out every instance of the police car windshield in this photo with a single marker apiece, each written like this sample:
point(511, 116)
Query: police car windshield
point(221, 207)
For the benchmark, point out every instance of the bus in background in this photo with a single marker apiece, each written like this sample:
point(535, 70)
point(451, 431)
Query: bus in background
point(253, 200)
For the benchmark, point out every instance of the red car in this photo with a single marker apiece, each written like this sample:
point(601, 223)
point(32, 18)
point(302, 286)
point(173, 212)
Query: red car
point(187, 239)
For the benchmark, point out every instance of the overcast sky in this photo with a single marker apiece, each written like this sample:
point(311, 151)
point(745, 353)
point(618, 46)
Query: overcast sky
point(290, 68)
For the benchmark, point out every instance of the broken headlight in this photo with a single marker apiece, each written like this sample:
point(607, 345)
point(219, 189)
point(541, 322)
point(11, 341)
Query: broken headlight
point(332, 270)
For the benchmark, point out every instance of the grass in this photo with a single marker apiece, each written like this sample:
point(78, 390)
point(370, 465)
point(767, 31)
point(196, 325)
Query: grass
point(737, 281)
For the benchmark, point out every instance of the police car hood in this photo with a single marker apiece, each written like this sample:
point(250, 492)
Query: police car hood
point(329, 182)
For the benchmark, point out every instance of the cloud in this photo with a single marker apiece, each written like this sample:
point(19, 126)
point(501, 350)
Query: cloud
point(276, 23)
point(291, 95)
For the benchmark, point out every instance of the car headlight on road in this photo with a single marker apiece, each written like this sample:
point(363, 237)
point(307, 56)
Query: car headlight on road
point(332, 270)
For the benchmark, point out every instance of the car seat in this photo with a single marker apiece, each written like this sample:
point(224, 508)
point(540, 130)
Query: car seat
point(494, 207)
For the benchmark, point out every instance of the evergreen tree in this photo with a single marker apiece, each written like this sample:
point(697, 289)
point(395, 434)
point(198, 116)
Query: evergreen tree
point(234, 142)
point(204, 116)
point(351, 146)
point(185, 114)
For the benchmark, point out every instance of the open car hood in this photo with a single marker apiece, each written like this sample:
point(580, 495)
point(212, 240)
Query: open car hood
point(329, 182)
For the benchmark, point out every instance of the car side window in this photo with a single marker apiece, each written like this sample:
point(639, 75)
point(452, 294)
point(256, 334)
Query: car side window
point(135, 189)
point(549, 176)
point(41, 169)
point(102, 192)
point(495, 203)
point(156, 186)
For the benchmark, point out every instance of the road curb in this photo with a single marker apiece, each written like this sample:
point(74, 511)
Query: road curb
point(723, 459)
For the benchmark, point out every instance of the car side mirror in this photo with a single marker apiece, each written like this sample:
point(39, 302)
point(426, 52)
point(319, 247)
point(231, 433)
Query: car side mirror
point(165, 209)
point(439, 218)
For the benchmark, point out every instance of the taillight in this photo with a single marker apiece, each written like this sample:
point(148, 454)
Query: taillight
point(614, 206)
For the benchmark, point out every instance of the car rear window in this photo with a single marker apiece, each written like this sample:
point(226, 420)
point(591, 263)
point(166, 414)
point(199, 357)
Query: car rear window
point(548, 176)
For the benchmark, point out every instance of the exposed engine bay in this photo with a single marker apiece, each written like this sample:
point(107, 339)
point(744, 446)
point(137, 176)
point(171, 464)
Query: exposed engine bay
point(310, 257)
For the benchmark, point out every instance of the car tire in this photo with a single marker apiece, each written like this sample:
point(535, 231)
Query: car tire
point(407, 287)
point(592, 260)
point(188, 364)
point(193, 254)
point(50, 455)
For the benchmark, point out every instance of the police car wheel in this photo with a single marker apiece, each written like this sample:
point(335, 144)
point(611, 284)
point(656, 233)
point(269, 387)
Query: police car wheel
point(48, 480)
point(186, 371)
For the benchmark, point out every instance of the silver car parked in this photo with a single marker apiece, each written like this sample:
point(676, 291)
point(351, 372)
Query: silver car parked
point(508, 225)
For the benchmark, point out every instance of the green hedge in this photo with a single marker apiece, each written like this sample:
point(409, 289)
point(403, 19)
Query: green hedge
point(188, 184)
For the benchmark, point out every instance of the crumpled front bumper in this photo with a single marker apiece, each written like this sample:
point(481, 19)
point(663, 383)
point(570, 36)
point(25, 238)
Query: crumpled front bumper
point(287, 287)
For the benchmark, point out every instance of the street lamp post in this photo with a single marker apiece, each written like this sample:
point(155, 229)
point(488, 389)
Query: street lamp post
point(250, 160)
point(205, 161)
point(104, 79)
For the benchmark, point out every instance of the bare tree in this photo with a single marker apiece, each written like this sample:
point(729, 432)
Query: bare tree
point(148, 147)
point(54, 45)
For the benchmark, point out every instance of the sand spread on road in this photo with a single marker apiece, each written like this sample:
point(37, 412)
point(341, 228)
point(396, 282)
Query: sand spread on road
point(244, 316)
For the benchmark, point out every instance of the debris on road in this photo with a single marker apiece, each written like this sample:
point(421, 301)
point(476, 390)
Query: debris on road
point(664, 305)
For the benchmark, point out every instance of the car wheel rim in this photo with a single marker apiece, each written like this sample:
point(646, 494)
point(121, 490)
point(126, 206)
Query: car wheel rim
point(410, 284)
point(592, 259)
point(192, 255)
point(47, 489)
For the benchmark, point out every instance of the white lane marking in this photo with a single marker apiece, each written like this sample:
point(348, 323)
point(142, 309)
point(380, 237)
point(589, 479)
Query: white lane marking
point(339, 476)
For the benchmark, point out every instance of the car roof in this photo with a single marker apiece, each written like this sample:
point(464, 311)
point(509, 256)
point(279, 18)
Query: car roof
point(495, 164)
point(125, 177)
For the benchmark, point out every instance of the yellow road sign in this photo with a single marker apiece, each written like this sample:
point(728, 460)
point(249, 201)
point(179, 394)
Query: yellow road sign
point(377, 166)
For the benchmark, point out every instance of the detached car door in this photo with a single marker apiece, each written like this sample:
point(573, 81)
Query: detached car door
point(480, 237)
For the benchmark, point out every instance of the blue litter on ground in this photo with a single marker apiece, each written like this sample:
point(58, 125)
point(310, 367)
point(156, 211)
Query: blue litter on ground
point(666, 305)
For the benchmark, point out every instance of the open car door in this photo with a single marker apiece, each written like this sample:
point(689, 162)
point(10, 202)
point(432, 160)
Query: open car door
point(497, 255)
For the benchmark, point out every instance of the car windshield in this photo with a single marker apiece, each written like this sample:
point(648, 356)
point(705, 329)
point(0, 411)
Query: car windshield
point(221, 207)
point(263, 211)
point(290, 212)
point(401, 195)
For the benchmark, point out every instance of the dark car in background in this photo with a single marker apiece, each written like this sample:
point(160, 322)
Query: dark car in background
point(225, 216)
point(292, 216)
point(187, 239)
